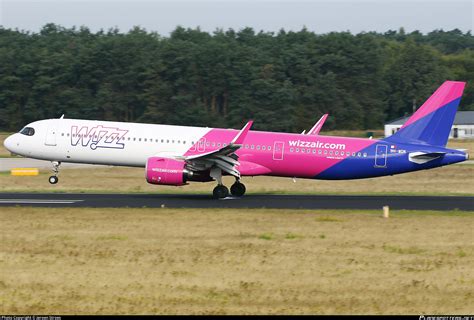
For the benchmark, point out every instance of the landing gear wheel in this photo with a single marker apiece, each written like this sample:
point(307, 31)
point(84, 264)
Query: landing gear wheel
point(237, 189)
point(53, 179)
point(220, 192)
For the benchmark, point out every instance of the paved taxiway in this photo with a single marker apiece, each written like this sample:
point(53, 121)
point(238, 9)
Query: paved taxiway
point(248, 201)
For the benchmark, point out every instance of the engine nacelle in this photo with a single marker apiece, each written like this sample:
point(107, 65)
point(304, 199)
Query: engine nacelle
point(166, 171)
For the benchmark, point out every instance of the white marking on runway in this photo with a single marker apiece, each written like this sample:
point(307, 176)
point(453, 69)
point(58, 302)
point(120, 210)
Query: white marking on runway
point(230, 198)
point(38, 201)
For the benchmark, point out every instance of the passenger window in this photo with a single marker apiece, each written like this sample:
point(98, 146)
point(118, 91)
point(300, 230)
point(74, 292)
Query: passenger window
point(263, 148)
point(269, 148)
point(314, 151)
point(330, 152)
point(219, 145)
point(297, 149)
point(320, 151)
point(325, 152)
point(365, 155)
point(252, 147)
point(258, 147)
point(358, 154)
point(336, 153)
point(291, 149)
point(145, 140)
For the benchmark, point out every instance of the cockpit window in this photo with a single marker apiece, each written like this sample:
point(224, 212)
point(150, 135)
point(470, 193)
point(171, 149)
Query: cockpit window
point(28, 131)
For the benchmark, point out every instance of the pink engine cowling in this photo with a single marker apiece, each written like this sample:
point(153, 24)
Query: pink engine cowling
point(166, 171)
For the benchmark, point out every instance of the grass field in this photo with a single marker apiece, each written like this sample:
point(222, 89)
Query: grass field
point(3, 152)
point(165, 261)
point(449, 180)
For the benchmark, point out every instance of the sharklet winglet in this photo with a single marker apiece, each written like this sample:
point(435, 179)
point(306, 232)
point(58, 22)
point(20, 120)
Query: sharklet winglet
point(240, 137)
point(317, 127)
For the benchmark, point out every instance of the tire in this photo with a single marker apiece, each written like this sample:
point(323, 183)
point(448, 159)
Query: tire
point(53, 179)
point(220, 192)
point(237, 189)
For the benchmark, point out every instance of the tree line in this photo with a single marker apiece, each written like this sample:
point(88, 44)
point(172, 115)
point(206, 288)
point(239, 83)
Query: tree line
point(284, 81)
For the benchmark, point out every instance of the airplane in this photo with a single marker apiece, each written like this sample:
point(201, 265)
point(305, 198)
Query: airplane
point(177, 155)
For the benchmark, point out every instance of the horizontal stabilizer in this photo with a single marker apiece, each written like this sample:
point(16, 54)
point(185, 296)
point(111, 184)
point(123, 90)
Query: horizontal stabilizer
point(424, 157)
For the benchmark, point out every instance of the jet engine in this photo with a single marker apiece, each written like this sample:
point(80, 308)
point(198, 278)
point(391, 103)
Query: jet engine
point(166, 171)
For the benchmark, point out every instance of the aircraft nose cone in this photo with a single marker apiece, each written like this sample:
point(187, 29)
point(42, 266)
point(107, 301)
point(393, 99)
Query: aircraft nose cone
point(9, 143)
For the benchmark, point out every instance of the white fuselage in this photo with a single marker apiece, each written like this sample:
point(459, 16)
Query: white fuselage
point(102, 142)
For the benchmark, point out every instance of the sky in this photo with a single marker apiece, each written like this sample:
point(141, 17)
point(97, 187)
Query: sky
point(320, 16)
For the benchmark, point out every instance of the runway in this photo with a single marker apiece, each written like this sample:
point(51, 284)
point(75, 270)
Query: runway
point(248, 201)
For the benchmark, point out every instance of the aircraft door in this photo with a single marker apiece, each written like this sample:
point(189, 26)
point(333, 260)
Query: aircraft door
point(51, 134)
point(201, 145)
point(381, 156)
point(278, 148)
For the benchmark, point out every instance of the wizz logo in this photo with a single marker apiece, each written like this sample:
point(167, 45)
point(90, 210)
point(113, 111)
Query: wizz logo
point(98, 137)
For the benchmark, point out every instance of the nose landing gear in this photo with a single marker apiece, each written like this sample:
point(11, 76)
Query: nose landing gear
point(54, 179)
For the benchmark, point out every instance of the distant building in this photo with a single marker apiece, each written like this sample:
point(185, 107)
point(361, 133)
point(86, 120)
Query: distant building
point(463, 127)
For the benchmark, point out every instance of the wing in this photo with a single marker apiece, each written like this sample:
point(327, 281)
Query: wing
point(223, 158)
point(317, 127)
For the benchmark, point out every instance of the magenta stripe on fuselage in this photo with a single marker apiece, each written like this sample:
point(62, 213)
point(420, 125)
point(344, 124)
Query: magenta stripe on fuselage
point(272, 150)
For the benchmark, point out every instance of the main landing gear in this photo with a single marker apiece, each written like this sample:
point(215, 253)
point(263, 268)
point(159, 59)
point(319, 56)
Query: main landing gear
point(54, 178)
point(237, 189)
point(221, 191)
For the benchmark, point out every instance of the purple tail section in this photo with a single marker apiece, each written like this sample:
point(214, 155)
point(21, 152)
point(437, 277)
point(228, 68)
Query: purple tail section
point(432, 122)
